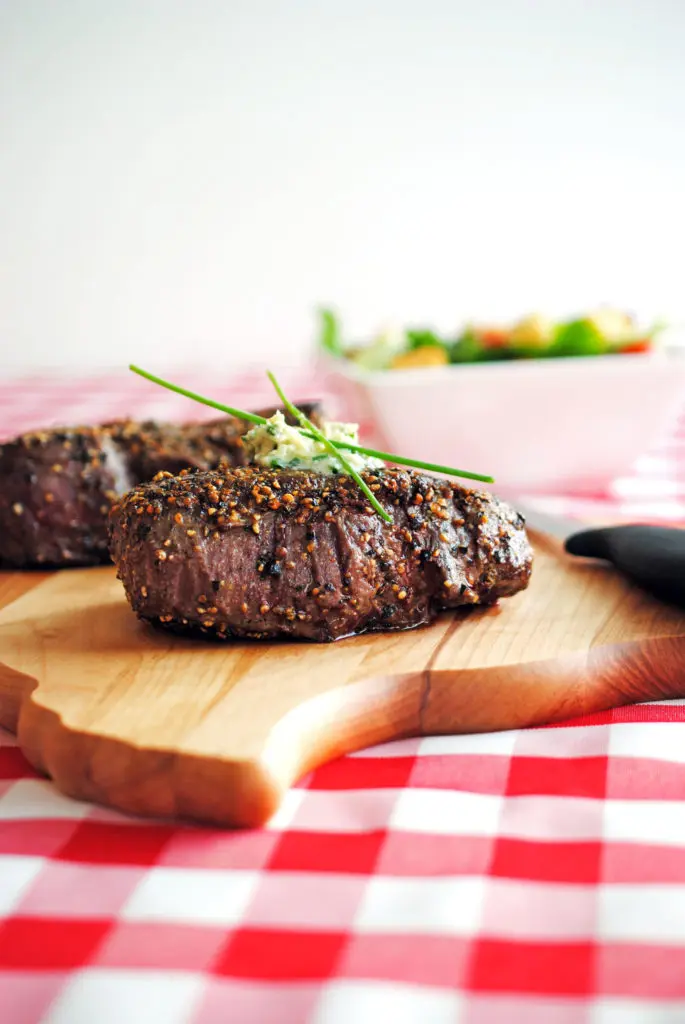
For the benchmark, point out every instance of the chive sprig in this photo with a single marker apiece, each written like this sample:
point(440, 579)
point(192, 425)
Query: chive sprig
point(252, 417)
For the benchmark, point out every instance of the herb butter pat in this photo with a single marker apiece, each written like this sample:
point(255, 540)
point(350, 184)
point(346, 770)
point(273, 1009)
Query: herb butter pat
point(277, 445)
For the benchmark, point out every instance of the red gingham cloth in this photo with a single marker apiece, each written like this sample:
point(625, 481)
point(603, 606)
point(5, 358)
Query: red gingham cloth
point(524, 877)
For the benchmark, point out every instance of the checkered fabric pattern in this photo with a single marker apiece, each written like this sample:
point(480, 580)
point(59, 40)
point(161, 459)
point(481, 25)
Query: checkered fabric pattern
point(524, 877)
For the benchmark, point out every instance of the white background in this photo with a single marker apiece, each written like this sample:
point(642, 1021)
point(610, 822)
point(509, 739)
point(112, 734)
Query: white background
point(188, 180)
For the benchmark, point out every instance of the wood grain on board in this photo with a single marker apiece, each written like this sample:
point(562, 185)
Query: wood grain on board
point(156, 725)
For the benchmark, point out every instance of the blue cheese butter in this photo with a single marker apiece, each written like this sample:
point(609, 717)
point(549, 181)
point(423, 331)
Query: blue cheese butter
point(277, 445)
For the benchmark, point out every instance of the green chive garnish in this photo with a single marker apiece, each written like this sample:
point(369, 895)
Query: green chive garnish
point(252, 417)
point(330, 447)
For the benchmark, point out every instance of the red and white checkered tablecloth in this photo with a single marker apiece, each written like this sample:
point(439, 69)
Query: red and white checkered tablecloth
point(525, 877)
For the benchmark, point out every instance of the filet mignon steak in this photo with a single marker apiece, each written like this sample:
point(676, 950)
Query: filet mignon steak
point(252, 552)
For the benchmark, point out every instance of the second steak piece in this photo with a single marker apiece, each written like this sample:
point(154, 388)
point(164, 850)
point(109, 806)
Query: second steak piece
point(57, 485)
point(267, 553)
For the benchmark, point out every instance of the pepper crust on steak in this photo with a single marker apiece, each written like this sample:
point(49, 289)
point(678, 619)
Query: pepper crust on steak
point(253, 552)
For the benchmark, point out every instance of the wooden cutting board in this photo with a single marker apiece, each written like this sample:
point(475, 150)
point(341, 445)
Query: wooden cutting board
point(149, 723)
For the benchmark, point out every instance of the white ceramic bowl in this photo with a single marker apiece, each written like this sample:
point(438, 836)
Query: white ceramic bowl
point(566, 424)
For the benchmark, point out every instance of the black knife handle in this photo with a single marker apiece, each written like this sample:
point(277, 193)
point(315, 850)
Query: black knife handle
point(653, 557)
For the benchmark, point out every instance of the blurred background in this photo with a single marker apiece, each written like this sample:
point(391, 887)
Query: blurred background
point(184, 182)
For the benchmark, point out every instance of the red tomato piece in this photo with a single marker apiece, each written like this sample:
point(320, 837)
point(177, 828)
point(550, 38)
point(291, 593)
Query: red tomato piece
point(493, 338)
point(642, 345)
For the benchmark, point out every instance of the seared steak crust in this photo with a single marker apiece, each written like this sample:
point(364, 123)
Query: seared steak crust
point(57, 486)
point(264, 553)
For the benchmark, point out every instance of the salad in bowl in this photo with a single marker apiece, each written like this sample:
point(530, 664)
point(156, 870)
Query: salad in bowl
point(544, 405)
point(603, 332)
